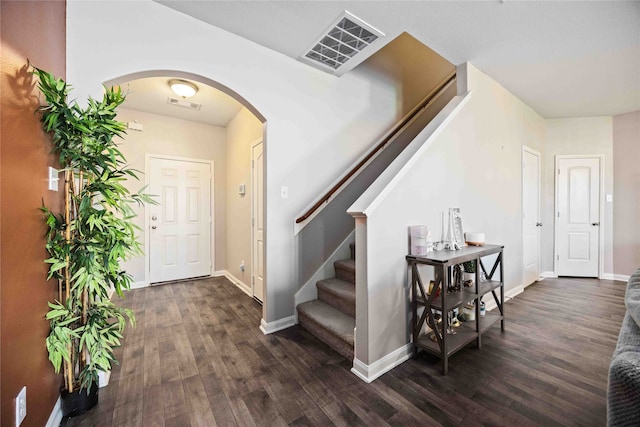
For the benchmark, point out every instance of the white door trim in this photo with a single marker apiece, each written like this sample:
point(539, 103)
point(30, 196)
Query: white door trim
point(253, 210)
point(147, 225)
point(535, 153)
point(600, 157)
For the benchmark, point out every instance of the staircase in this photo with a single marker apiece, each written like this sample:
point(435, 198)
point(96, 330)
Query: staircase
point(331, 317)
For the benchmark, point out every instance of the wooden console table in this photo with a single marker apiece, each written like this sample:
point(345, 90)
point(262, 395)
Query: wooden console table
point(442, 261)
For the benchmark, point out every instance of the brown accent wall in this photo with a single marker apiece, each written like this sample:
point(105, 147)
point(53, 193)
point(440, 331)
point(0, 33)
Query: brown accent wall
point(626, 193)
point(34, 30)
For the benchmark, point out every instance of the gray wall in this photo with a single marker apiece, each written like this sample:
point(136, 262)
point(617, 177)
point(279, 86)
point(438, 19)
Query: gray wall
point(588, 135)
point(626, 197)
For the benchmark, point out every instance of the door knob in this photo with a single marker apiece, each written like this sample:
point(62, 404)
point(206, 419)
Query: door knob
point(153, 218)
point(153, 227)
point(595, 224)
point(538, 224)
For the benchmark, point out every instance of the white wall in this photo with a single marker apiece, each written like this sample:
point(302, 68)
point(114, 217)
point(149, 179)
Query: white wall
point(474, 164)
point(179, 138)
point(244, 130)
point(317, 124)
point(589, 135)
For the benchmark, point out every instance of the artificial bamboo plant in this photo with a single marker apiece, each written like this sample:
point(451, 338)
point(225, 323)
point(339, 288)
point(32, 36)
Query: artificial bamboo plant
point(95, 233)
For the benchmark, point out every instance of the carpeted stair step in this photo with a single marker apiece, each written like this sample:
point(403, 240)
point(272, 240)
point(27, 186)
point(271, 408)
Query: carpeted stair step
point(329, 325)
point(352, 248)
point(346, 270)
point(338, 294)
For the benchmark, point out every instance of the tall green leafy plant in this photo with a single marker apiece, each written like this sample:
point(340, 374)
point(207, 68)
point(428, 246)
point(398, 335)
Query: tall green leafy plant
point(92, 236)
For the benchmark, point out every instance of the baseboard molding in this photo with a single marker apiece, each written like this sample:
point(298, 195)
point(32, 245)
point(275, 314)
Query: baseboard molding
point(233, 279)
point(277, 325)
point(308, 291)
point(511, 293)
point(369, 373)
point(548, 275)
point(140, 284)
point(56, 415)
point(618, 277)
point(103, 378)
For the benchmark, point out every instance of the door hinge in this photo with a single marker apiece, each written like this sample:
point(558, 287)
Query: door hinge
point(558, 171)
point(558, 214)
point(558, 257)
point(253, 280)
point(252, 164)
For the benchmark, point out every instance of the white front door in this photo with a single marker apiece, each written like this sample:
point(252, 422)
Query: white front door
point(180, 225)
point(257, 216)
point(530, 215)
point(578, 216)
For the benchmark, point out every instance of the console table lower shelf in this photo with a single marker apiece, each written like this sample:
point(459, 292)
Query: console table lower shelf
point(463, 336)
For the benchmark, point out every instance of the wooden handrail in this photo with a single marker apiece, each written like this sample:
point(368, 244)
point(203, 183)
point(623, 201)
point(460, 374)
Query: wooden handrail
point(396, 129)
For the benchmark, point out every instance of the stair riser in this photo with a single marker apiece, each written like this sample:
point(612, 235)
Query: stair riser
point(345, 274)
point(326, 336)
point(345, 306)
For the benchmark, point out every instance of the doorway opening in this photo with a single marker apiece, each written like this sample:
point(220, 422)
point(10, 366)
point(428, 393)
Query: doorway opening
point(196, 154)
point(531, 223)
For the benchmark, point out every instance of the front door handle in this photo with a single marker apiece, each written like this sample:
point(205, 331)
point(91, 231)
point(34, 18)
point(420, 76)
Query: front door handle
point(595, 224)
point(538, 224)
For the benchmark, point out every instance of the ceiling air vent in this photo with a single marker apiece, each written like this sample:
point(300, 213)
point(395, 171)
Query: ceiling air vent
point(183, 103)
point(347, 37)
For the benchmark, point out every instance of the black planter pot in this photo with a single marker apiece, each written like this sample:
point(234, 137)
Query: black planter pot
point(78, 402)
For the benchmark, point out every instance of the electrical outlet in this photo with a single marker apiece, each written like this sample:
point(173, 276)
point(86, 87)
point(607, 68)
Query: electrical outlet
point(21, 406)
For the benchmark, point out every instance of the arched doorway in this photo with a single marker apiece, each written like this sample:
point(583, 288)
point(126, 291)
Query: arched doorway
point(233, 205)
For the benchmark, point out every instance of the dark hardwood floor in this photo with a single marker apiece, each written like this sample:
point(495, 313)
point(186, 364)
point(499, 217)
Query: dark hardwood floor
point(197, 358)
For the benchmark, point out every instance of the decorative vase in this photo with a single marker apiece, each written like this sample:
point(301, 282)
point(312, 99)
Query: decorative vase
point(79, 401)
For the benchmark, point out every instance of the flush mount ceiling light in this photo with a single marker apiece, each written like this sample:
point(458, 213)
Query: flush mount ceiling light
point(183, 88)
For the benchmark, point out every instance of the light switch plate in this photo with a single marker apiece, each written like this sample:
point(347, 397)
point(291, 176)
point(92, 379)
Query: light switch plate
point(284, 192)
point(609, 197)
point(53, 178)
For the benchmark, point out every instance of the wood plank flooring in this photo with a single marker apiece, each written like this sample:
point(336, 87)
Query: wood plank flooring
point(197, 358)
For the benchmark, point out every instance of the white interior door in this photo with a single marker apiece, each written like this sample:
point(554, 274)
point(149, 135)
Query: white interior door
point(180, 225)
point(257, 216)
point(530, 216)
point(578, 217)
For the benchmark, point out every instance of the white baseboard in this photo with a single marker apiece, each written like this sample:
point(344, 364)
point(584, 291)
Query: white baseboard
point(233, 279)
point(56, 415)
point(368, 373)
point(140, 284)
point(103, 378)
point(277, 325)
point(618, 277)
point(308, 291)
point(548, 275)
point(490, 304)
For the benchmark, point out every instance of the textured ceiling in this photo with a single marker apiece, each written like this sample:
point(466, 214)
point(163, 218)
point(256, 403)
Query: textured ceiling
point(562, 58)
